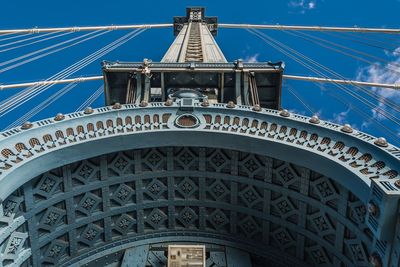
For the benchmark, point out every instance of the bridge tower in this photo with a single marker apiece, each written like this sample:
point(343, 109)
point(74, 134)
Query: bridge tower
point(194, 64)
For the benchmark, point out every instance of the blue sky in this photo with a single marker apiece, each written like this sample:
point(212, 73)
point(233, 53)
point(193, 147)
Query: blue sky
point(235, 44)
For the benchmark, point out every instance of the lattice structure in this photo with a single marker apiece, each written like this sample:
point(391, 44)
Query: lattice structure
point(218, 194)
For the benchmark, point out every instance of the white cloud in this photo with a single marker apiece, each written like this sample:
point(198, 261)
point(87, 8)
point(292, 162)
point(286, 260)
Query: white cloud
point(381, 73)
point(302, 6)
point(341, 117)
point(396, 52)
point(251, 59)
point(297, 111)
point(365, 125)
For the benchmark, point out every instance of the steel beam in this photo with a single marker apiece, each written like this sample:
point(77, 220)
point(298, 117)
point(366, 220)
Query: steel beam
point(40, 83)
point(339, 81)
point(288, 77)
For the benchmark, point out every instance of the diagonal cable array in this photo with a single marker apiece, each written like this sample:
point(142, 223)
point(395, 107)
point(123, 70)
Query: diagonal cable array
point(89, 101)
point(14, 36)
point(299, 98)
point(22, 97)
point(328, 45)
point(365, 41)
point(26, 39)
point(295, 55)
point(20, 63)
point(34, 42)
point(42, 105)
point(370, 93)
point(366, 116)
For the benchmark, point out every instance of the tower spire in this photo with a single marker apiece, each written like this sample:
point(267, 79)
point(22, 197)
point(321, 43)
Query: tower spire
point(194, 40)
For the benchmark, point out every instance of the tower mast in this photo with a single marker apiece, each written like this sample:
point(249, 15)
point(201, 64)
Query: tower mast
point(194, 66)
point(194, 40)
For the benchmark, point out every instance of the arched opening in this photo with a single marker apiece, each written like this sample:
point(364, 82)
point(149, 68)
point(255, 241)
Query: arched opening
point(260, 205)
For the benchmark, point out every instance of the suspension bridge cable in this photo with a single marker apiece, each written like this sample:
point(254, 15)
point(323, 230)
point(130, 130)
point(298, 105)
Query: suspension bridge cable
point(308, 28)
point(360, 98)
point(90, 28)
point(368, 92)
point(29, 93)
point(355, 40)
point(357, 84)
point(45, 49)
point(45, 84)
point(27, 39)
point(62, 74)
point(314, 38)
point(35, 42)
point(33, 91)
point(51, 82)
point(50, 100)
point(384, 37)
point(345, 81)
point(48, 53)
point(292, 91)
point(13, 37)
point(285, 76)
point(366, 116)
point(89, 101)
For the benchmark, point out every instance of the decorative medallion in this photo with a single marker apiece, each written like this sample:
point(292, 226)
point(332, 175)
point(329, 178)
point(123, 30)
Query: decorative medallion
point(187, 121)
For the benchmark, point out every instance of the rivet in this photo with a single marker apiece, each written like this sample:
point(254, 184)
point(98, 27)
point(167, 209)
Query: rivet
point(373, 209)
point(397, 183)
point(26, 125)
point(116, 106)
point(381, 142)
point(230, 104)
point(284, 113)
point(59, 117)
point(375, 260)
point(257, 107)
point(143, 103)
point(346, 128)
point(205, 103)
point(88, 110)
point(314, 119)
point(168, 102)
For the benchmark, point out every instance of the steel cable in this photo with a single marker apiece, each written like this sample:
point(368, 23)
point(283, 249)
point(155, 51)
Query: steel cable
point(4, 63)
point(355, 40)
point(387, 102)
point(344, 47)
point(15, 101)
point(294, 93)
point(361, 99)
point(34, 42)
point(91, 99)
point(27, 39)
point(13, 37)
point(50, 100)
